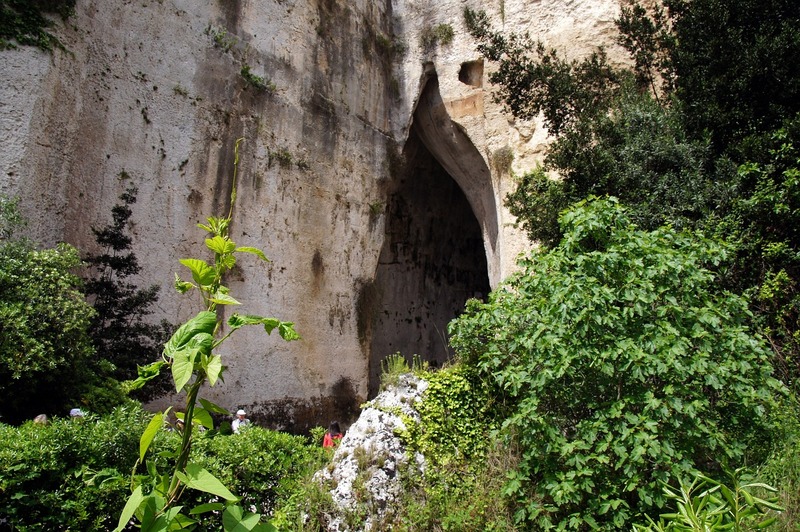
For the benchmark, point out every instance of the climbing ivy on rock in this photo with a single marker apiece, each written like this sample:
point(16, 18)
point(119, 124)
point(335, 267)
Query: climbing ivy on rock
point(454, 417)
point(25, 22)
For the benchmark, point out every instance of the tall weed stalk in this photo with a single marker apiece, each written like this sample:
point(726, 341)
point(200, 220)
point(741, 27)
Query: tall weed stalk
point(192, 357)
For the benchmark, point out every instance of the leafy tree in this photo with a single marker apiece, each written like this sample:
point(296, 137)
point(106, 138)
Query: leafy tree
point(712, 82)
point(763, 224)
point(651, 43)
point(612, 132)
point(624, 364)
point(119, 331)
point(45, 351)
point(637, 152)
point(735, 63)
point(531, 79)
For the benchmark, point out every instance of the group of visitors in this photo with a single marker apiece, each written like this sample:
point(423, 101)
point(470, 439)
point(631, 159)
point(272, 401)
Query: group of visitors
point(42, 419)
point(331, 439)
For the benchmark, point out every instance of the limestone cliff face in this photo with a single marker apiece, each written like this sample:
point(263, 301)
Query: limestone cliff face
point(369, 173)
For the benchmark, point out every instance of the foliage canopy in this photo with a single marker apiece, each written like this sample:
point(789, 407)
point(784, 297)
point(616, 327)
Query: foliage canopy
point(698, 133)
point(45, 350)
point(624, 364)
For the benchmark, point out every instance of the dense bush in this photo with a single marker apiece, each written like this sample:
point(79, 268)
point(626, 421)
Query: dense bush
point(67, 475)
point(47, 362)
point(764, 226)
point(782, 467)
point(667, 136)
point(262, 467)
point(74, 474)
point(625, 365)
point(45, 350)
point(638, 153)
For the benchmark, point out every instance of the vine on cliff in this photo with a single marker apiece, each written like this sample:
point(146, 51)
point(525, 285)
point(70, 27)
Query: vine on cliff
point(24, 22)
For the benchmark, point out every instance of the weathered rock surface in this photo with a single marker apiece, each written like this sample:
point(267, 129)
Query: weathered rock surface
point(365, 468)
point(367, 175)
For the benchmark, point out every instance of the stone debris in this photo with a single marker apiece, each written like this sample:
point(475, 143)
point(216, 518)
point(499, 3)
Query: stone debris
point(363, 473)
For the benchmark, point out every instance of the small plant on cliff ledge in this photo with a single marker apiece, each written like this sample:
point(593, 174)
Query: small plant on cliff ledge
point(190, 354)
point(257, 82)
point(222, 39)
point(441, 34)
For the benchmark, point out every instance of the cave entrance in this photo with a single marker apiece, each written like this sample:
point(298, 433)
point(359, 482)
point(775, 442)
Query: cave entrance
point(434, 255)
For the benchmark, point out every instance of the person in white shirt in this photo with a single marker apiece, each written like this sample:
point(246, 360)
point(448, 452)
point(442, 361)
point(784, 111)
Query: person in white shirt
point(240, 422)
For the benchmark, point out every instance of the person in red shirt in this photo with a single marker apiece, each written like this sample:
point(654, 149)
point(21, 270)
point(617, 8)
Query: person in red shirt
point(332, 436)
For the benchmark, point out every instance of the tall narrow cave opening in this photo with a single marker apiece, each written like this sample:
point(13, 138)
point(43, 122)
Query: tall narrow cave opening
point(433, 259)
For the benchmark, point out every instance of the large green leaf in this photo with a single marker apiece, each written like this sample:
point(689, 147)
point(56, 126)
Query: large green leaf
point(149, 433)
point(202, 273)
point(180, 521)
point(255, 251)
point(203, 342)
point(208, 507)
point(214, 369)
point(220, 245)
point(214, 408)
point(204, 322)
point(235, 519)
point(224, 299)
point(182, 367)
point(134, 501)
point(200, 479)
point(204, 418)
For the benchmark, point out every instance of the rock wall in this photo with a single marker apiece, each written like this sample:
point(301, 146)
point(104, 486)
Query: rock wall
point(358, 119)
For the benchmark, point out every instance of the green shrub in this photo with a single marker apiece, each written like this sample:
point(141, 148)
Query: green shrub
point(782, 468)
point(460, 495)
point(74, 475)
point(256, 81)
point(709, 505)
point(435, 35)
point(624, 364)
point(261, 466)
point(45, 350)
point(68, 474)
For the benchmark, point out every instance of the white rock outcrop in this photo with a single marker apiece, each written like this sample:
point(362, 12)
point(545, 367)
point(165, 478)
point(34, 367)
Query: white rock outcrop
point(365, 469)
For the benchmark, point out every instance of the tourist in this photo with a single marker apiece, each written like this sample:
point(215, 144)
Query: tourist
point(240, 422)
point(332, 436)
